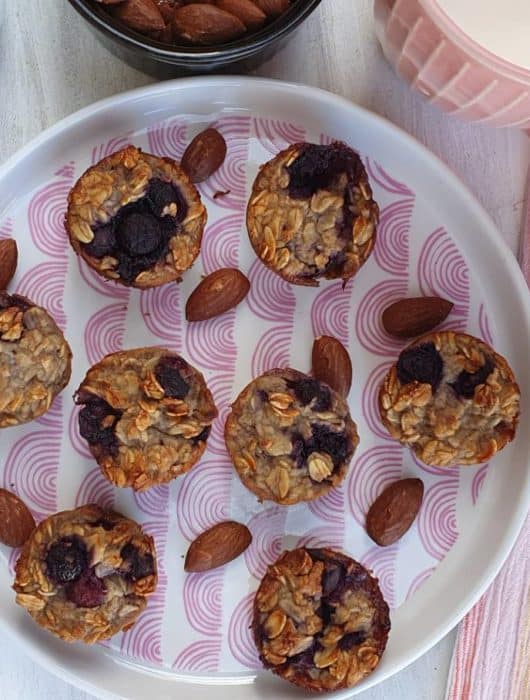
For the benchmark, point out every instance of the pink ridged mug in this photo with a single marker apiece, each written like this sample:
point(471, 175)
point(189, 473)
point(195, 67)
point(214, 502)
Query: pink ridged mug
point(434, 55)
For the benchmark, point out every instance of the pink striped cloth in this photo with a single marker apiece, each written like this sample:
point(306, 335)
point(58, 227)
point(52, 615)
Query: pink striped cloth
point(491, 660)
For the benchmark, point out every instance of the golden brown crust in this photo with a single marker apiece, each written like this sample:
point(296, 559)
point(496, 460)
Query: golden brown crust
point(443, 427)
point(35, 360)
point(105, 534)
point(298, 238)
point(267, 423)
point(158, 436)
point(320, 621)
point(118, 180)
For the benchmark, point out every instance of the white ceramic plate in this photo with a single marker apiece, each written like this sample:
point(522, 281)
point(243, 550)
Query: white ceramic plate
point(433, 238)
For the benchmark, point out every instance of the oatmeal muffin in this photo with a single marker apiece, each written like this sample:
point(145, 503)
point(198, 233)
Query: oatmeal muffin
point(311, 213)
point(35, 360)
point(320, 620)
point(451, 398)
point(84, 574)
point(290, 437)
point(146, 416)
point(136, 219)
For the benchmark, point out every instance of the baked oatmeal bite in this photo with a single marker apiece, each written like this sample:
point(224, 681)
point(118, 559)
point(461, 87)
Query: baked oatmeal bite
point(320, 620)
point(136, 219)
point(311, 214)
point(291, 438)
point(451, 398)
point(35, 360)
point(146, 415)
point(85, 574)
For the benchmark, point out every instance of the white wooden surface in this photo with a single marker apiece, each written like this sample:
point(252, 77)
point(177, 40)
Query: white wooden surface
point(52, 65)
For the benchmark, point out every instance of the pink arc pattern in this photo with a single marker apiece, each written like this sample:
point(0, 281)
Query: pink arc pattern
point(368, 327)
point(267, 528)
point(240, 641)
point(369, 474)
point(114, 144)
point(484, 325)
point(202, 597)
point(106, 287)
point(95, 488)
point(53, 418)
point(46, 213)
point(160, 308)
point(231, 176)
point(437, 524)
point(44, 284)
point(270, 297)
point(392, 248)
point(330, 508)
point(154, 502)
point(442, 271)
point(104, 332)
point(168, 138)
point(378, 174)
point(330, 311)
point(200, 656)
point(211, 343)
point(32, 465)
point(382, 562)
point(6, 229)
point(220, 244)
point(478, 482)
point(203, 498)
point(275, 135)
point(419, 580)
point(370, 401)
point(272, 350)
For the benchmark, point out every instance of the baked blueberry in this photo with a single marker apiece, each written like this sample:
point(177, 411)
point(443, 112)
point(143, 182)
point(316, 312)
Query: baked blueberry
point(320, 620)
point(136, 218)
point(290, 437)
point(451, 398)
point(146, 415)
point(311, 214)
point(85, 574)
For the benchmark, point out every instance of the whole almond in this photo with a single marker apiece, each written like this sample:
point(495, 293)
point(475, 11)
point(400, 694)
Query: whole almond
point(217, 293)
point(8, 261)
point(394, 511)
point(142, 15)
point(245, 10)
point(414, 316)
point(204, 155)
point(272, 8)
point(217, 546)
point(206, 24)
point(16, 521)
point(331, 364)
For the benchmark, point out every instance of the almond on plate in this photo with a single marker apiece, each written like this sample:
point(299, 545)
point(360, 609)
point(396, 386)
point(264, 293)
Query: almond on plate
point(217, 293)
point(272, 8)
point(394, 511)
point(204, 155)
point(331, 364)
point(414, 316)
point(8, 261)
point(217, 546)
point(16, 521)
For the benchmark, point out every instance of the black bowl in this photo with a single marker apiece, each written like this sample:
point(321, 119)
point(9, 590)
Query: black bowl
point(164, 60)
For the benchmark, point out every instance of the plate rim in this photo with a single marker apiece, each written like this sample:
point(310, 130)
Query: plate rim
point(510, 534)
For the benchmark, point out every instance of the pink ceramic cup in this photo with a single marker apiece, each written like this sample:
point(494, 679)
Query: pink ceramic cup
point(430, 52)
